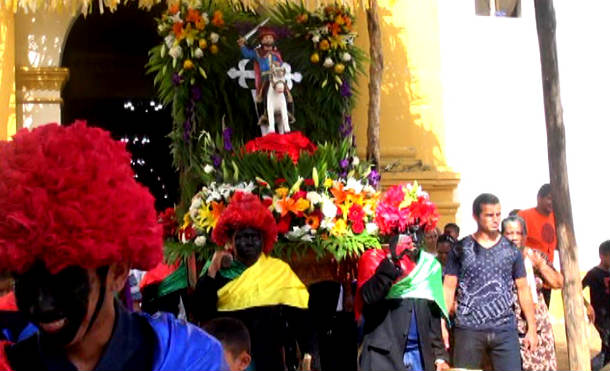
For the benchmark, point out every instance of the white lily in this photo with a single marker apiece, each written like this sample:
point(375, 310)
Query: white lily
point(314, 197)
point(371, 228)
point(329, 209)
point(175, 51)
point(353, 183)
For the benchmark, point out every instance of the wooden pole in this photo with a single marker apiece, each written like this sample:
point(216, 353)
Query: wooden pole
point(575, 322)
point(375, 77)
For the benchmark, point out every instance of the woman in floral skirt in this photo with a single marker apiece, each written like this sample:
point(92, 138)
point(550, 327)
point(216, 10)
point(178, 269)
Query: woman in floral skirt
point(540, 273)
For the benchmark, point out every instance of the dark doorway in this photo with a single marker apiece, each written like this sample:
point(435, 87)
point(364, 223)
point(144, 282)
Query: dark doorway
point(108, 87)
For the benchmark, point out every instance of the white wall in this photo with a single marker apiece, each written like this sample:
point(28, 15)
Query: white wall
point(584, 67)
point(494, 112)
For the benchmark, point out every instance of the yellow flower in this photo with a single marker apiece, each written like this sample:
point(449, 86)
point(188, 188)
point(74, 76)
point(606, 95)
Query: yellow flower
point(188, 64)
point(339, 68)
point(281, 192)
point(214, 49)
point(337, 42)
point(354, 199)
point(301, 205)
point(203, 44)
point(328, 183)
point(315, 58)
point(339, 20)
point(186, 220)
point(339, 229)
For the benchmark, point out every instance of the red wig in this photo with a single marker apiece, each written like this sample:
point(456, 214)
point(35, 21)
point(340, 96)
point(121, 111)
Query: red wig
point(68, 197)
point(245, 211)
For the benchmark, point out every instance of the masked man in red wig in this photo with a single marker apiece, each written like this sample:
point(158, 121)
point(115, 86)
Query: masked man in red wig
point(244, 282)
point(401, 299)
point(73, 220)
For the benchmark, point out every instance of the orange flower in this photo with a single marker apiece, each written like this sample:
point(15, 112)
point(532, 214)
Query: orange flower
point(338, 193)
point(335, 29)
point(178, 30)
point(175, 8)
point(348, 22)
point(217, 209)
point(313, 221)
point(217, 20)
point(285, 205)
point(193, 16)
point(302, 18)
point(324, 45)
point(299, 206)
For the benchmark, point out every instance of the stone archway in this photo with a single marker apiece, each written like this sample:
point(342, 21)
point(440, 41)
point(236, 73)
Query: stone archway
point(108, 86)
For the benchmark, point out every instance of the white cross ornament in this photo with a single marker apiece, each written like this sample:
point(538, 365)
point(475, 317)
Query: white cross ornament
point(242, 74)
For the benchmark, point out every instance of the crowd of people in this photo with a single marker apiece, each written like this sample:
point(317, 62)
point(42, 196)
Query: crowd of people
point(74, 223)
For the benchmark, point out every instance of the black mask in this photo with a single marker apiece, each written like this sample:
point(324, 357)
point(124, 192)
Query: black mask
point(46, 298)
point(248, 245)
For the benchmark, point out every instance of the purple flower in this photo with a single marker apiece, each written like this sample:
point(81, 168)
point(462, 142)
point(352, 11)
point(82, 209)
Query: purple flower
point(176, 79)
point(343, 174)
point(195, 93)
point(187, 130)
point(374, 178)
point(346, 127)
point(217, 160)
point(346, 89)
point(344, 163)
point(226, 137)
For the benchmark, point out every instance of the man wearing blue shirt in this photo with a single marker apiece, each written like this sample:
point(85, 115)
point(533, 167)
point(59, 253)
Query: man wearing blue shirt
point(485, 268)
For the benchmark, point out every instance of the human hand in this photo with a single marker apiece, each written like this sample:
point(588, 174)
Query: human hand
point(445, 333)
point(389, 269)
point(241, 42)
point(531, 340)
point(306, 362)
point(442, 366)
point(537, 260)
point(217, 261)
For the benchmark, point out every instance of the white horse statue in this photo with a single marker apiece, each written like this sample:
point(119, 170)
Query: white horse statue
point(287, 77)
point(276, 102)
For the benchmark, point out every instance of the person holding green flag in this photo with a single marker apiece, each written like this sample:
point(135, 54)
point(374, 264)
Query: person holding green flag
point(400, 292)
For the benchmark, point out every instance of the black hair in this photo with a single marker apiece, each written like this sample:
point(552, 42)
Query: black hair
point(483, 199)
point(446, 238)
point(604, 248)
point(514, 212)
point(454, 226)
point(515, 218)
point(544, 191)
point(231, 332)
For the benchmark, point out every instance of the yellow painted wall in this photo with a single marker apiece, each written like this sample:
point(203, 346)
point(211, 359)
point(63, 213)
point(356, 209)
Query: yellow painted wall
point(411, 103)
point(7, 74)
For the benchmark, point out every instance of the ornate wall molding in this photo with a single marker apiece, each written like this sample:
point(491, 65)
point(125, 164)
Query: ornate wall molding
point(40, 85)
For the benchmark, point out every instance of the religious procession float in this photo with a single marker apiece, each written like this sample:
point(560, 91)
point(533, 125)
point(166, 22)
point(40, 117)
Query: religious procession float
point(261, 102)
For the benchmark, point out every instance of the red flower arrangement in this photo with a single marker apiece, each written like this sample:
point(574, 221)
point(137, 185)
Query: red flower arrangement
point(290, 144)
point(167, 219)
point(403, 206)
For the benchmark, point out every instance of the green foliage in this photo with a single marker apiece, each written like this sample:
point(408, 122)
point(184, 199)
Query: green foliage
point(204, 98)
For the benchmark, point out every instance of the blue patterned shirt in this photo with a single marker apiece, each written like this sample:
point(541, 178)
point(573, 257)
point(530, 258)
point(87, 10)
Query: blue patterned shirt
point(486, 279)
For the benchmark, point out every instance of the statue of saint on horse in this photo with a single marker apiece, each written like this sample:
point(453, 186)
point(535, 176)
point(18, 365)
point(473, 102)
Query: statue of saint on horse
point(275, 103)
